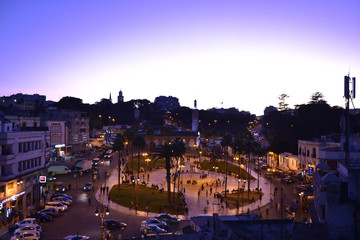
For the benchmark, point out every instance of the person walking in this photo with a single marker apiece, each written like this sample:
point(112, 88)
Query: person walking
point(107, 190)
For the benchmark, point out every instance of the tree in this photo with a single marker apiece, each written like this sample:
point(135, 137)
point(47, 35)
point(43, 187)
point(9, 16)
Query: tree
point(118, 146)
point(70, 103)
point(166, 151)
point(225, 143)
point(282, 104)
point(139, 143)
point(130, 134)
point(317, 98)
point(179, 150)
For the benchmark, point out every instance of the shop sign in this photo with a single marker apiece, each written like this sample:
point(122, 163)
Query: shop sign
point(42, 179)
point(12, 198)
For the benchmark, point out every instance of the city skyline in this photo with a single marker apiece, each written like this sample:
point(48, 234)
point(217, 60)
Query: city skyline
point(231, 54)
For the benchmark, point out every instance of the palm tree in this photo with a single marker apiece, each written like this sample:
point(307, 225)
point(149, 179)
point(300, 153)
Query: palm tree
point(139, 143)
point(179, 150)
point(225, 143)
point(166, 151)
point(118, 146)
point(130, 134)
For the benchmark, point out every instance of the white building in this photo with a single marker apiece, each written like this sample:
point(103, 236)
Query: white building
point(287, 161)
point(22, 158)
point(311, 153)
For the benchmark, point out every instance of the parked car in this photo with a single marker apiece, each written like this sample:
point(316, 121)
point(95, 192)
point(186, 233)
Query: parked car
point(269, 175)
point(112, 224)
point(41, 216)
point(168, 218)
point(28, 235)
point(26, 222)
point(63, 195)
point(76, 237)
point(50, 211)
point(152, 229)
point(30, 227)
point(154, 221)
point(57, 205)
point(287, 180)
point(88, 186)
point(63, 200)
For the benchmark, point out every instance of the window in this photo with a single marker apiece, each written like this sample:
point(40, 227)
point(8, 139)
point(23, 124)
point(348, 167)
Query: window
point(19, 166)
point(313, 153)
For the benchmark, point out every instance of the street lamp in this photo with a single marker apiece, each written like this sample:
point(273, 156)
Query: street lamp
point(102, 214)
point(147, 160)
point(237, 159)
point(180, 166)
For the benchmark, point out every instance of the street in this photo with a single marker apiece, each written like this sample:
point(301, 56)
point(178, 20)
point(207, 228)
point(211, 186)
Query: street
point(80, 218)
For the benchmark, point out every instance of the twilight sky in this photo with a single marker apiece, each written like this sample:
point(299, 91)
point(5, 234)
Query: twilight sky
point(241, 54)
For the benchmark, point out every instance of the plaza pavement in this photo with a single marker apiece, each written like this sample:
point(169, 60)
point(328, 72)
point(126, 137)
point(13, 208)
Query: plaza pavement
point(205, 204)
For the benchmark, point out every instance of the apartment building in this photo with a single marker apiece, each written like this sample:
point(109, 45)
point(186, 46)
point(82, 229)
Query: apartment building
point(22, 159)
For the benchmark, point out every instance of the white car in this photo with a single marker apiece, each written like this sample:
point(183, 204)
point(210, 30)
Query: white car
point(26, 222)
point(29, 235)
point(63, 200)
point(57, 205)
point(30, 227)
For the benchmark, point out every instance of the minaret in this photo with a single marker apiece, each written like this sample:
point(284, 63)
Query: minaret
point(110, 97)
point(195, 117)
point(120, 97)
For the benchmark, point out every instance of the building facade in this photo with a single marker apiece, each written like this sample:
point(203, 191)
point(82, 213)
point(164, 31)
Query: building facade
point(22, 159)
point(23, 102)
point(288, 161)
point(77, 128)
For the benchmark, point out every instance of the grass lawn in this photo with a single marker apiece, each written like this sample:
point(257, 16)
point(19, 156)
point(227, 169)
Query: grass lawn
point(243, 199)
point(153, 164)
point(156, 198)
point(222, 166)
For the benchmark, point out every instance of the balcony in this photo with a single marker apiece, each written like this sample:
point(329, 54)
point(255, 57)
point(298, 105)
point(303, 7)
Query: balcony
point(8, 157)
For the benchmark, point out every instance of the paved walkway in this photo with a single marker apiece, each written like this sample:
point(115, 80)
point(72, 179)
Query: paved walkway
point(205, 203)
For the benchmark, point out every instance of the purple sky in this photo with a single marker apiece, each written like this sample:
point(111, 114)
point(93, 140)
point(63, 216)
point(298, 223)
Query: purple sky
point(242, 53)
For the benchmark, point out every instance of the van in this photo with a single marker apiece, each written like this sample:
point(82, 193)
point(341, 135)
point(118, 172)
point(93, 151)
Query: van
point(83, 166)
point(53, 170)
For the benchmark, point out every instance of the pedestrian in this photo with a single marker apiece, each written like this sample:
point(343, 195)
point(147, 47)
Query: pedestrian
point(89, 200)
point(107, 190)
point(210, 190)
point(69, 186)
point(206, 193)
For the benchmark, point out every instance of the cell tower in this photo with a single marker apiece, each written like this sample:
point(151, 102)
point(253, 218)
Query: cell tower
point(348, 94)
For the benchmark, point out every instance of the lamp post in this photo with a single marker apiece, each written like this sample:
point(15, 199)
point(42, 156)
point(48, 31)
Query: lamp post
point(237, 159)
point(180, 166)
point(102, 214)
point(147, 160)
